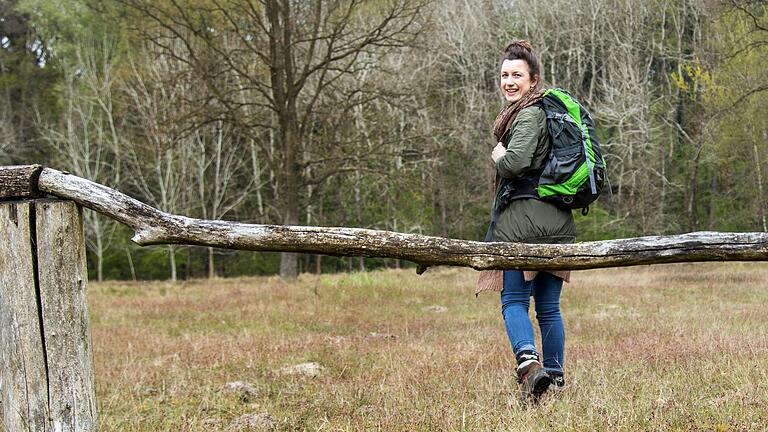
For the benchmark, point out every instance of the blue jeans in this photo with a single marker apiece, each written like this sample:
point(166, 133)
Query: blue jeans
point(515, 299)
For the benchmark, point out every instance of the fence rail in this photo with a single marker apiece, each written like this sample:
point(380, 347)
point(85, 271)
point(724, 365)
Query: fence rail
point(153, 227)
point(47, 379)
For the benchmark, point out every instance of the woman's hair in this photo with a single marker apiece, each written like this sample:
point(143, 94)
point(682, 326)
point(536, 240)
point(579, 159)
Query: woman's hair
point(523, 50)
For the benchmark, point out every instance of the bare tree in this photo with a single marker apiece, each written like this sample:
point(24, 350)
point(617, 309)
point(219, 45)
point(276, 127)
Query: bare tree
point(455, 126)
point(7, 129)
point(159, 154)
point(289, 54)
point(616, 57)
point(87, 140)
point(220, 160)
point(8, 135)
point(27, 87)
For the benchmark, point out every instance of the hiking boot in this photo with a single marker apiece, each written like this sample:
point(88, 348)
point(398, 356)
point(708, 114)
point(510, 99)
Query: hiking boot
point(535, 382)
point(533, 379)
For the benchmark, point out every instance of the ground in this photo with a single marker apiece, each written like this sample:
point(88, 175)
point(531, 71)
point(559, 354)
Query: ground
point(667, 347)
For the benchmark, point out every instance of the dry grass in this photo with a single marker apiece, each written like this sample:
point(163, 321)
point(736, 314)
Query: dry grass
point(675, 347)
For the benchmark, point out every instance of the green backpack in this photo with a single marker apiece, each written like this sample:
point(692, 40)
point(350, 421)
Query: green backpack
point(574, 173)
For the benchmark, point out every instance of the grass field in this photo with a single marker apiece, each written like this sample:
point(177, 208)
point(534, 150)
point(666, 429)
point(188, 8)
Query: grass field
point(673, 347)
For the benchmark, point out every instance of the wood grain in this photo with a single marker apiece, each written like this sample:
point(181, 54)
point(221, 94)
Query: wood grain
point(19, 181)
point(63, 279)
point(153, 227)
point(23, 372)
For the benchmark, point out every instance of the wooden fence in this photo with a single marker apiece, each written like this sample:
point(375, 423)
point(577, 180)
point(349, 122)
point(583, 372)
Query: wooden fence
point(47, 377)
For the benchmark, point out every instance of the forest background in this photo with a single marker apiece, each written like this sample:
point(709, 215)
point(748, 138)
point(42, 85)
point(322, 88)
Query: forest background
point(376, 114)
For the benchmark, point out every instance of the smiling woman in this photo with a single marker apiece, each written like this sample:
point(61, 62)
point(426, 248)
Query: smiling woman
point(516, 80)
point(519, 216)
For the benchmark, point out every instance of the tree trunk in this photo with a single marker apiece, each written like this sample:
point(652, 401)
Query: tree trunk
point(63, 279)
point(99, 252)
point(289, 265)
point(284, 94)
point(100, 267)
point(713, 195)
point(20, 181)
point(130, 264)
point(359, 206)
point(172, 261)
point(155, 227)
point(443, 209)
point(211, 264)
point(24, 387)
point(758, 170)
point(692, 209)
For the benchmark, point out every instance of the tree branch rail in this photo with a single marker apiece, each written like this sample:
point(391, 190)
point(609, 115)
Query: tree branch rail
point(153, 227)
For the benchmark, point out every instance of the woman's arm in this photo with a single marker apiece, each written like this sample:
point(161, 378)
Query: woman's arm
point(526, 132)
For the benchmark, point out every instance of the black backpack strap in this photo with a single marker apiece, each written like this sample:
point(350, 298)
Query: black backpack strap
point(517, 188)
point(511, 190)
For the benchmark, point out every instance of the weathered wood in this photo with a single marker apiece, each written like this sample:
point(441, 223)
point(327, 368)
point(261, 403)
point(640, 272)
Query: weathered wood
point(45, 343)
point(152, 226)
point(24, 384)
point(19, 181)
point(63, 278)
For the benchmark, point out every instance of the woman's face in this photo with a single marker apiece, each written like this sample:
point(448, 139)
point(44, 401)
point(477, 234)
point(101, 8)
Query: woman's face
point(515, 79)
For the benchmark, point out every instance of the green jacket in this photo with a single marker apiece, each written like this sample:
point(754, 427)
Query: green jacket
point(530, 220)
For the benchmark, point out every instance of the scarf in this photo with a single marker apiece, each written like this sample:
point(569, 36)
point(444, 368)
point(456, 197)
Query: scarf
point(511, 110)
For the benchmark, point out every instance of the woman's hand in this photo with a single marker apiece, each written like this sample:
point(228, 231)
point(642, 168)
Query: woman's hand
point(498, 152)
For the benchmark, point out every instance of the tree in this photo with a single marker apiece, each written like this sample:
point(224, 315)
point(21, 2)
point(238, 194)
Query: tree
point(457, 111)
point(159, 154)
point(27, 79)
point(220, 159)
point(736, 114)
point(286, 56)
point(87, 140)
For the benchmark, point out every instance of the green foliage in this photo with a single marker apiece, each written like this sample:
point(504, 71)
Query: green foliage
point(244, 263)
point(28, 77)
point(599, 224)
point(59, 25)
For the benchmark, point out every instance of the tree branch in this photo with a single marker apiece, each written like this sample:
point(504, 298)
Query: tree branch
point(153, 227)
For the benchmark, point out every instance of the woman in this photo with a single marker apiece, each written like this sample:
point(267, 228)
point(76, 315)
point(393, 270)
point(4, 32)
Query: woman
point(523, 146)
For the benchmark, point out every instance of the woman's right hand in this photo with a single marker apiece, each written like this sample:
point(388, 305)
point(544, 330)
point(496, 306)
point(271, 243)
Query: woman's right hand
point(498, 152)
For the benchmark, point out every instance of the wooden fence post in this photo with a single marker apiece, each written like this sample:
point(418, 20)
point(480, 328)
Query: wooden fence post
point(25, 390)
point(47, 373)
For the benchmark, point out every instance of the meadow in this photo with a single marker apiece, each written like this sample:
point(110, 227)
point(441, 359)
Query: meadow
point(666, 347)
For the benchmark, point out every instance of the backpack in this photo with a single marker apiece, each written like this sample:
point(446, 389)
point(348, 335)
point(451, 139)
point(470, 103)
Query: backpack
point(574, 173)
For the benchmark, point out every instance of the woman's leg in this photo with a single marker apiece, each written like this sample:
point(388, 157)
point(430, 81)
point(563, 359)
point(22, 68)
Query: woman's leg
point(546, 294)
point(515, 300)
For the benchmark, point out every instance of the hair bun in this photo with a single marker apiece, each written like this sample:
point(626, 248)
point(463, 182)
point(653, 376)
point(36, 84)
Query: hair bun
point(522, 43)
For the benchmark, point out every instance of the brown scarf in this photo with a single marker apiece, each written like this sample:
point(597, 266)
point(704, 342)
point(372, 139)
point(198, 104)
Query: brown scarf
point(510, 111)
